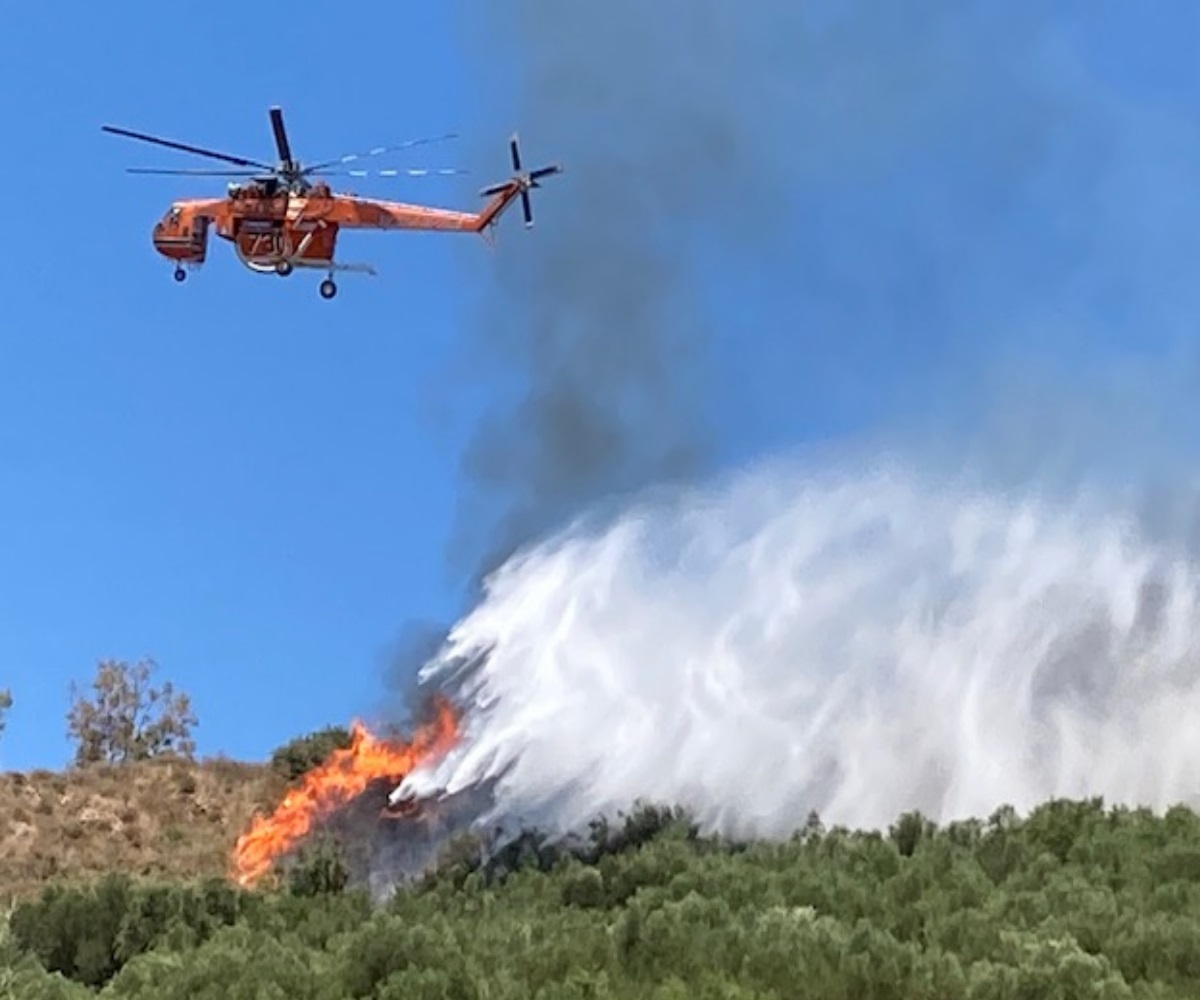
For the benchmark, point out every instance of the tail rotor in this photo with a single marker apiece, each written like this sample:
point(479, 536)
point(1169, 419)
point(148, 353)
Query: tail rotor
point(525, 180)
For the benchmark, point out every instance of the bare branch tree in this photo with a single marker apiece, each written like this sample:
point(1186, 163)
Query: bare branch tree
point(127, 719)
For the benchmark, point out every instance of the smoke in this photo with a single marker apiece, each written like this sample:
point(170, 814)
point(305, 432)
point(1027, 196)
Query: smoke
point(857, 640)
point(857, 207)
point(383, 851)
point(694, 136)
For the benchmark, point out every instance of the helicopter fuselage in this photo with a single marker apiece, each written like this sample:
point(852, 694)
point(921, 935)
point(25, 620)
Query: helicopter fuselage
point(277, 231)
point(270, 232)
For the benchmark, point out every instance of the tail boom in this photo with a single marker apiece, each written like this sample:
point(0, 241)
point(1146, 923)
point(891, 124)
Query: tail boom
point(370, 213)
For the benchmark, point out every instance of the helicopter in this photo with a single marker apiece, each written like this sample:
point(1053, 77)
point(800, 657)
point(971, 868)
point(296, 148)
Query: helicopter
point(286, 216)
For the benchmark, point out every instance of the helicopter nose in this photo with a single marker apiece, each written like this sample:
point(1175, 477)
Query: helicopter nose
point(161, 233)
point(161, 243)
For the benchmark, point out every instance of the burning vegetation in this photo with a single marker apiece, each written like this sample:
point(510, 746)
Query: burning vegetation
point(342, 778)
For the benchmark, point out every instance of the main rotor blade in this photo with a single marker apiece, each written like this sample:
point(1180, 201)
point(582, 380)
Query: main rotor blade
point(379, 151)
point(414, 172)
point(194, 173)
point(240, 161)
point(281, 139)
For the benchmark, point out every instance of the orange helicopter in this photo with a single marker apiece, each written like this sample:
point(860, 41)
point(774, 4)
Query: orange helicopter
point(283, 217)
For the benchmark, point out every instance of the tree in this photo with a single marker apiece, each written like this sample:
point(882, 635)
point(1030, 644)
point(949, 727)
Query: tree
point(127, 719)
point(5, 705)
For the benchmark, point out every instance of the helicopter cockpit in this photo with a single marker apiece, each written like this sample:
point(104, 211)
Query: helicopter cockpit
point(181, 235)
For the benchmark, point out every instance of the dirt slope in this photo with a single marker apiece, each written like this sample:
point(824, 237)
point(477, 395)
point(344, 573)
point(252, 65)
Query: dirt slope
point(161, 817)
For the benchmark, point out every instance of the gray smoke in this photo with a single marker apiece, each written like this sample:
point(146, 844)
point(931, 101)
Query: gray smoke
point(598, 316)
point(826, 166)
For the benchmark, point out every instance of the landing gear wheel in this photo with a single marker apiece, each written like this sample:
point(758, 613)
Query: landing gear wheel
point(283, 268)
point(328, 289)
point(180, 274)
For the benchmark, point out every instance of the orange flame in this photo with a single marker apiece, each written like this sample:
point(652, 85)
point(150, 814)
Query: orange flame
point(344, 776)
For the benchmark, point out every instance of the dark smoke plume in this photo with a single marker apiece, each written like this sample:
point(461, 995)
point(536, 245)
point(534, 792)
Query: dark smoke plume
point(686, 126)
point(597, 315)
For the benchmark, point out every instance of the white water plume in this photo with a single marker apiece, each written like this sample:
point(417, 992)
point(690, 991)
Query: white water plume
point(858, 643)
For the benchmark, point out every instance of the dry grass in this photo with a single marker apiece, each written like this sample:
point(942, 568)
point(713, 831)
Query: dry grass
point(164, 817)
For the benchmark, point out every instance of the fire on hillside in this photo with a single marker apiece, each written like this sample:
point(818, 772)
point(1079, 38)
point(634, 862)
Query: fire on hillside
point(341, 779)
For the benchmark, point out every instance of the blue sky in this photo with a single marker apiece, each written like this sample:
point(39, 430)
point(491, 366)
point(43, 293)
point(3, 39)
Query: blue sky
point(256, 487)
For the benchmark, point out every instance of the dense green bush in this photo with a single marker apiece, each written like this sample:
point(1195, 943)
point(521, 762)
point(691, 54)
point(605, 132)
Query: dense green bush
point(1075, 900)
point(302, 754)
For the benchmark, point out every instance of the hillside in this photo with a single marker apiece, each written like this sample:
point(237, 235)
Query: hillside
point(165, 816)
point(1075, 900)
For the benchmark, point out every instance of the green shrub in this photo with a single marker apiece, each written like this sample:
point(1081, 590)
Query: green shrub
point(304, 753)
